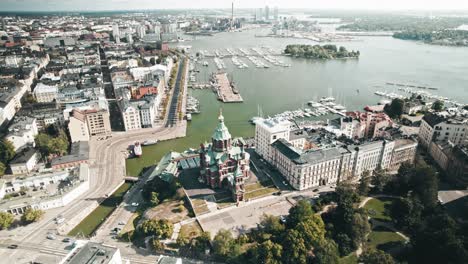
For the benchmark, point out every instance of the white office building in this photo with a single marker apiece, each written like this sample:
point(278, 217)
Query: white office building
point(45, 93)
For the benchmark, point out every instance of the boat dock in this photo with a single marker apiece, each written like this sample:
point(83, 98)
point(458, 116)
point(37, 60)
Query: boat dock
point(411, 86)
point(225, 90)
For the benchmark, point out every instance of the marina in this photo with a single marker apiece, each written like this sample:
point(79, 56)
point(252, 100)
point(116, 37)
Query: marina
point(226, 90)
point(325, 106)
point(193, 105)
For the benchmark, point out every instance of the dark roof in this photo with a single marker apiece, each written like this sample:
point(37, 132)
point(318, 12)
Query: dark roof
point(24, 156)
point(79, 152)
point(93, 253)
point(461, 153)
point(433, 119)
point(285, 148)
point(318, 156)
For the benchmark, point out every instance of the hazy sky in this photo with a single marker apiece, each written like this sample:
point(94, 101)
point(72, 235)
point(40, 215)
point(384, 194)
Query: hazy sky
point(74, 5)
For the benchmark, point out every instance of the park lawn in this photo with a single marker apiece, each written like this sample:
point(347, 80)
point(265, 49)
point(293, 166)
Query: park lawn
point(350, 259)
point(99, 215)
point(378, 208)
point(382, 236)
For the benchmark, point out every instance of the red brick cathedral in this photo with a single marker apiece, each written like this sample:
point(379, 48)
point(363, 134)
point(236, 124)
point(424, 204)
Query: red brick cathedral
point(224, 163)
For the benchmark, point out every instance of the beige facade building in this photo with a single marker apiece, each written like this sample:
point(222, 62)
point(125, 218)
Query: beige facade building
point(311, 159)
point(77, 126)
point(87, 123)
point(436, 127)
point(98, 122)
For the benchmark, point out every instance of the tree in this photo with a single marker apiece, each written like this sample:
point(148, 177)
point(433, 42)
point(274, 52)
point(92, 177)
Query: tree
point(159, 228)
point(346, 194)
point(2, 169)
point(52, 145)
point(326, 253)
point(395, 109)
point(438, 106)
point(154, 198)
point(359, 228)
point(312, 230)
point(271, 224)
point(198, 245)
point(425, 185)
point(7, 151)
point(157, 245)
point(406, 213)
point(437, 241)
point(153, 61)
point(223, 243)
point(294, 248)
point(32, 215)
point(299, 213)
point(363, 188)
point(267, 252)
point(346, 245)
point(375, 256)
point(6, 219)
point(380, 180)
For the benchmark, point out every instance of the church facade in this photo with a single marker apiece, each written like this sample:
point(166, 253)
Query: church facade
point(224, 163)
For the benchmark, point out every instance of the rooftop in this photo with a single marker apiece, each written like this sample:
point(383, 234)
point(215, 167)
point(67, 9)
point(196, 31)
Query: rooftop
point(93, 253)
point(79, 152)
point(24, 156)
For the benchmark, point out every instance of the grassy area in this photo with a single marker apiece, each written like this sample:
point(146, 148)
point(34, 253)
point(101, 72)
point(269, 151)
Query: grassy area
point(260, 192)
point(199, 206)
point(378, 208)
point(191, 230)
point(97, 217)
point(350, 259)
point(381, 236)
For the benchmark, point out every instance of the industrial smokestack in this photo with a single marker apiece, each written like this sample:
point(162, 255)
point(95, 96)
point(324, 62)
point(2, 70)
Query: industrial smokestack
point(232, 17)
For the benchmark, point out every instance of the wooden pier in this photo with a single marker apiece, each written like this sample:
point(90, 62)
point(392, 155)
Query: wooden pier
point(225, 90)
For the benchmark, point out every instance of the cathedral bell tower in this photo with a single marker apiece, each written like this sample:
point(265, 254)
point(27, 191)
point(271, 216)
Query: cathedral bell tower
point(221, 138)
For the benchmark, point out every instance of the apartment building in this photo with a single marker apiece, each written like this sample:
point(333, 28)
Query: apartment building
point(45, 93)
point(22, 132)
point(78, 127)
point(268, 131)
point(84, 124)
point(98, 122)
point(443, 127)
point(131, 116)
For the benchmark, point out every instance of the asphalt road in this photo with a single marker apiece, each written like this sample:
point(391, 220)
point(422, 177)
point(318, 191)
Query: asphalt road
point(172, 117)
point(107, 170)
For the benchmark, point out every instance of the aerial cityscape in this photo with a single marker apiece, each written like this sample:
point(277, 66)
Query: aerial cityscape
point(233, 132)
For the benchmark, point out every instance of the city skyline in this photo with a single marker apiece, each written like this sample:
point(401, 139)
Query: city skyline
point(110, 5)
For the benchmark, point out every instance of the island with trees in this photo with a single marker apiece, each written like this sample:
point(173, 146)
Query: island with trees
point(326, 52)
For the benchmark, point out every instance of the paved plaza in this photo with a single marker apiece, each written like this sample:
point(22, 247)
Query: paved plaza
point(240, 219)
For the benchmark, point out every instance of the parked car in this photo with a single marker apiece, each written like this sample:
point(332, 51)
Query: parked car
point(315, 190)
point(135, 204)
point(66, 240)
point(13, 246)
point(121, 223)
point(59, 220)
point(51, 237)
